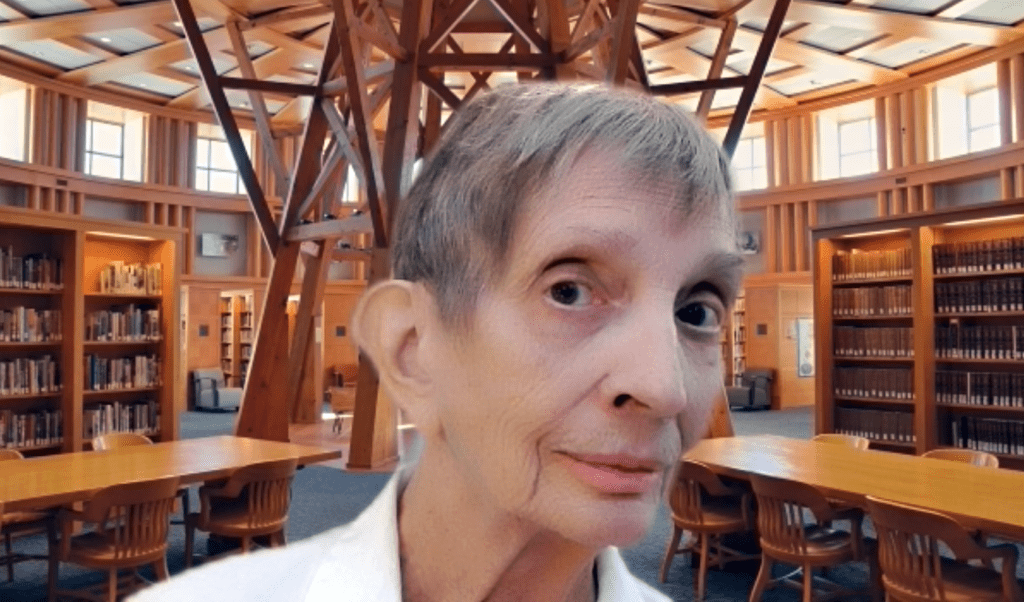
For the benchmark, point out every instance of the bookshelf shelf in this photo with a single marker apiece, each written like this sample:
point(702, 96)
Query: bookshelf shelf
point(937, 248)
point(104, 392)
point(29, 344)
point(27, 292)
point(24, 396)
point(857, 359)
point(976, 362)
point(868, 281)
point(976, 275)
point(122, 343)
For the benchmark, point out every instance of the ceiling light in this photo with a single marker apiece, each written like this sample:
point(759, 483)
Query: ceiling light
point(177, 24)
point(105, 40)
point(142, 85)
point(189, 68)
point(307, 65)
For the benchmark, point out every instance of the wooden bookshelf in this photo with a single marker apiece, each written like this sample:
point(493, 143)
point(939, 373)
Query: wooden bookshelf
point(237, 335)
point(966, 327)
point(117, 353)
point(734, 339)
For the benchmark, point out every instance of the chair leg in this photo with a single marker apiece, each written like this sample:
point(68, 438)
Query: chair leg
point(10, 557)
point(246, 542)
point(702, 570)
point(54, 565)
point(112, 585)
point(277, 539)
point(670, 552)
point(764, 575)
point(808, 583)
point(190, 532)
point(160, 568)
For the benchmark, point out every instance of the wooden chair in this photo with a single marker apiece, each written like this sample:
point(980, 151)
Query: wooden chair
point(702, 504)
point(913, 570)
point(851, 440)
point(783, 508)
point(119, 440)
point(20, 523)
point(253, 502)
point(132, 522)
point(968, 456)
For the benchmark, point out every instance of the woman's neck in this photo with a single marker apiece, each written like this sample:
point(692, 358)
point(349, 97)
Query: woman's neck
point(455, 545)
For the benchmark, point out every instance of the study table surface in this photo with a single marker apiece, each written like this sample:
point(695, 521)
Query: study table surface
point(63, 478)
point(984, 498)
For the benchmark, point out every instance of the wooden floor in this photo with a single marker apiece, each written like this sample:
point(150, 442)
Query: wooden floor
point(323, 434)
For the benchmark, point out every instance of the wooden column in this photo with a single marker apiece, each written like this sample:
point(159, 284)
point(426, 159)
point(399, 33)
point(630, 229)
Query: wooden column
point(1003, 86)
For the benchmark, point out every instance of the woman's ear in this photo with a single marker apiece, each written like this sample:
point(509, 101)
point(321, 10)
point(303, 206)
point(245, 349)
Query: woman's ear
point(388, 326)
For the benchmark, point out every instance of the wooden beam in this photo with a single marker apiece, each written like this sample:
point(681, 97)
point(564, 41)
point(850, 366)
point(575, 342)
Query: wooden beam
point(622, 41)
point(250, 83)
point(359, 104)
point(717, 64)
point(226, 118)
point(401, 138)
point(310, 299)
point(521, 25)
point(699, 85)
point(259, 107)
point(478, 61)
point(437, 87)
point(83, 23)
point(265, 408)
point(454, 14)
point(757, 68)
point(923, 26)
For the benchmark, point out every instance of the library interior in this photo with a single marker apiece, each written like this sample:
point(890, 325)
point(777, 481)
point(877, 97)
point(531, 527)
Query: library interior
point(195, 194)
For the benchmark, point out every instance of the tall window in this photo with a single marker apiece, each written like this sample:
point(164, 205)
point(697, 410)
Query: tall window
point(14, 108)
point(216, 170)
point(113, 142)
point(982, 119)
point(750, 165)
point(104, 149)
point(857, 147)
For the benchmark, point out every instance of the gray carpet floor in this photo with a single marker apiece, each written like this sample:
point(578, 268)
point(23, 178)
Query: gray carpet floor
point(326, 497)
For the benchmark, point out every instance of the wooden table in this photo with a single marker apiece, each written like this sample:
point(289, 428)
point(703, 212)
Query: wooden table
point(982, 498)
point(65, 478)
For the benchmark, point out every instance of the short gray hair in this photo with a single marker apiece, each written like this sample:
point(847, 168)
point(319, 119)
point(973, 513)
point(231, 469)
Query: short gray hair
point(454, 229)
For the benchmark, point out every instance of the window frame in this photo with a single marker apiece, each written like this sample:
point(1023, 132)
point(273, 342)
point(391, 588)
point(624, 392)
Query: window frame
point(871, 151)
point(753, 169)
point(209, 169)
point(90, 139)
point(994, 124)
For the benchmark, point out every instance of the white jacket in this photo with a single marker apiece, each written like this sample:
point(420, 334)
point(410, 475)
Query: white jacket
point(356, 562)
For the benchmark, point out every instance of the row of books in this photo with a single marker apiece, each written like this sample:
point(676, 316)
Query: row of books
point(31, 429)
point(990, 435)
point(857, 264)
point(141, 416)
point(131, 323)
point(874, 383)
point(1005, 389)
point(1001, 342)
point(879, 425)
point(132, 278)
point(872, 301)
point(996, 294)
point(886, 342)
point(29, 376)
point(979, 256)
point(28, 325)
point(106, 373)
point(37, 271)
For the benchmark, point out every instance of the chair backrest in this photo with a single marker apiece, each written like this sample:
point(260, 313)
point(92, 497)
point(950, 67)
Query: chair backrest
point(781, 512)
point(759, 380)
point(850, 440)
point(10, 454)
point(267, 488)
point(693, 481)
point(968, 456)
point(909, 550)
point(119, 440)
point(134, 517)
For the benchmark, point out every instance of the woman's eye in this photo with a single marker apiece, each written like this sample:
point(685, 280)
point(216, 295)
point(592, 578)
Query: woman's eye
point(570, 293)
point(699, 314)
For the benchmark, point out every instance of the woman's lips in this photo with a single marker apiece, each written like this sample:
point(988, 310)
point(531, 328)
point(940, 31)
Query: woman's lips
point(615, 473)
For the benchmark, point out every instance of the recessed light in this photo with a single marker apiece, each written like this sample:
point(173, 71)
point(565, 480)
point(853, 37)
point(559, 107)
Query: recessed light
point(177, 23)
point(189, 68)
point(307, 65)
point(142, 85)
point(105, 40)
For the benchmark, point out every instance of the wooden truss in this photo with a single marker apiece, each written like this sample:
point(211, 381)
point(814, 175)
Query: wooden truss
point(400, 71)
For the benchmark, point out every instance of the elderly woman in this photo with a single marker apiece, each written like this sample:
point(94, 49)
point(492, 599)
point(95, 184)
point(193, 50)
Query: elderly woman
point(562, 268)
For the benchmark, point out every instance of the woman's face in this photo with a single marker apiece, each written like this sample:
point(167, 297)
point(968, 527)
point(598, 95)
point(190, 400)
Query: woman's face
point(593, 360)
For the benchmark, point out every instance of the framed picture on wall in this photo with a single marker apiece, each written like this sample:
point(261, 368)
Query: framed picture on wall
point(213, 244)
point(750, 242)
